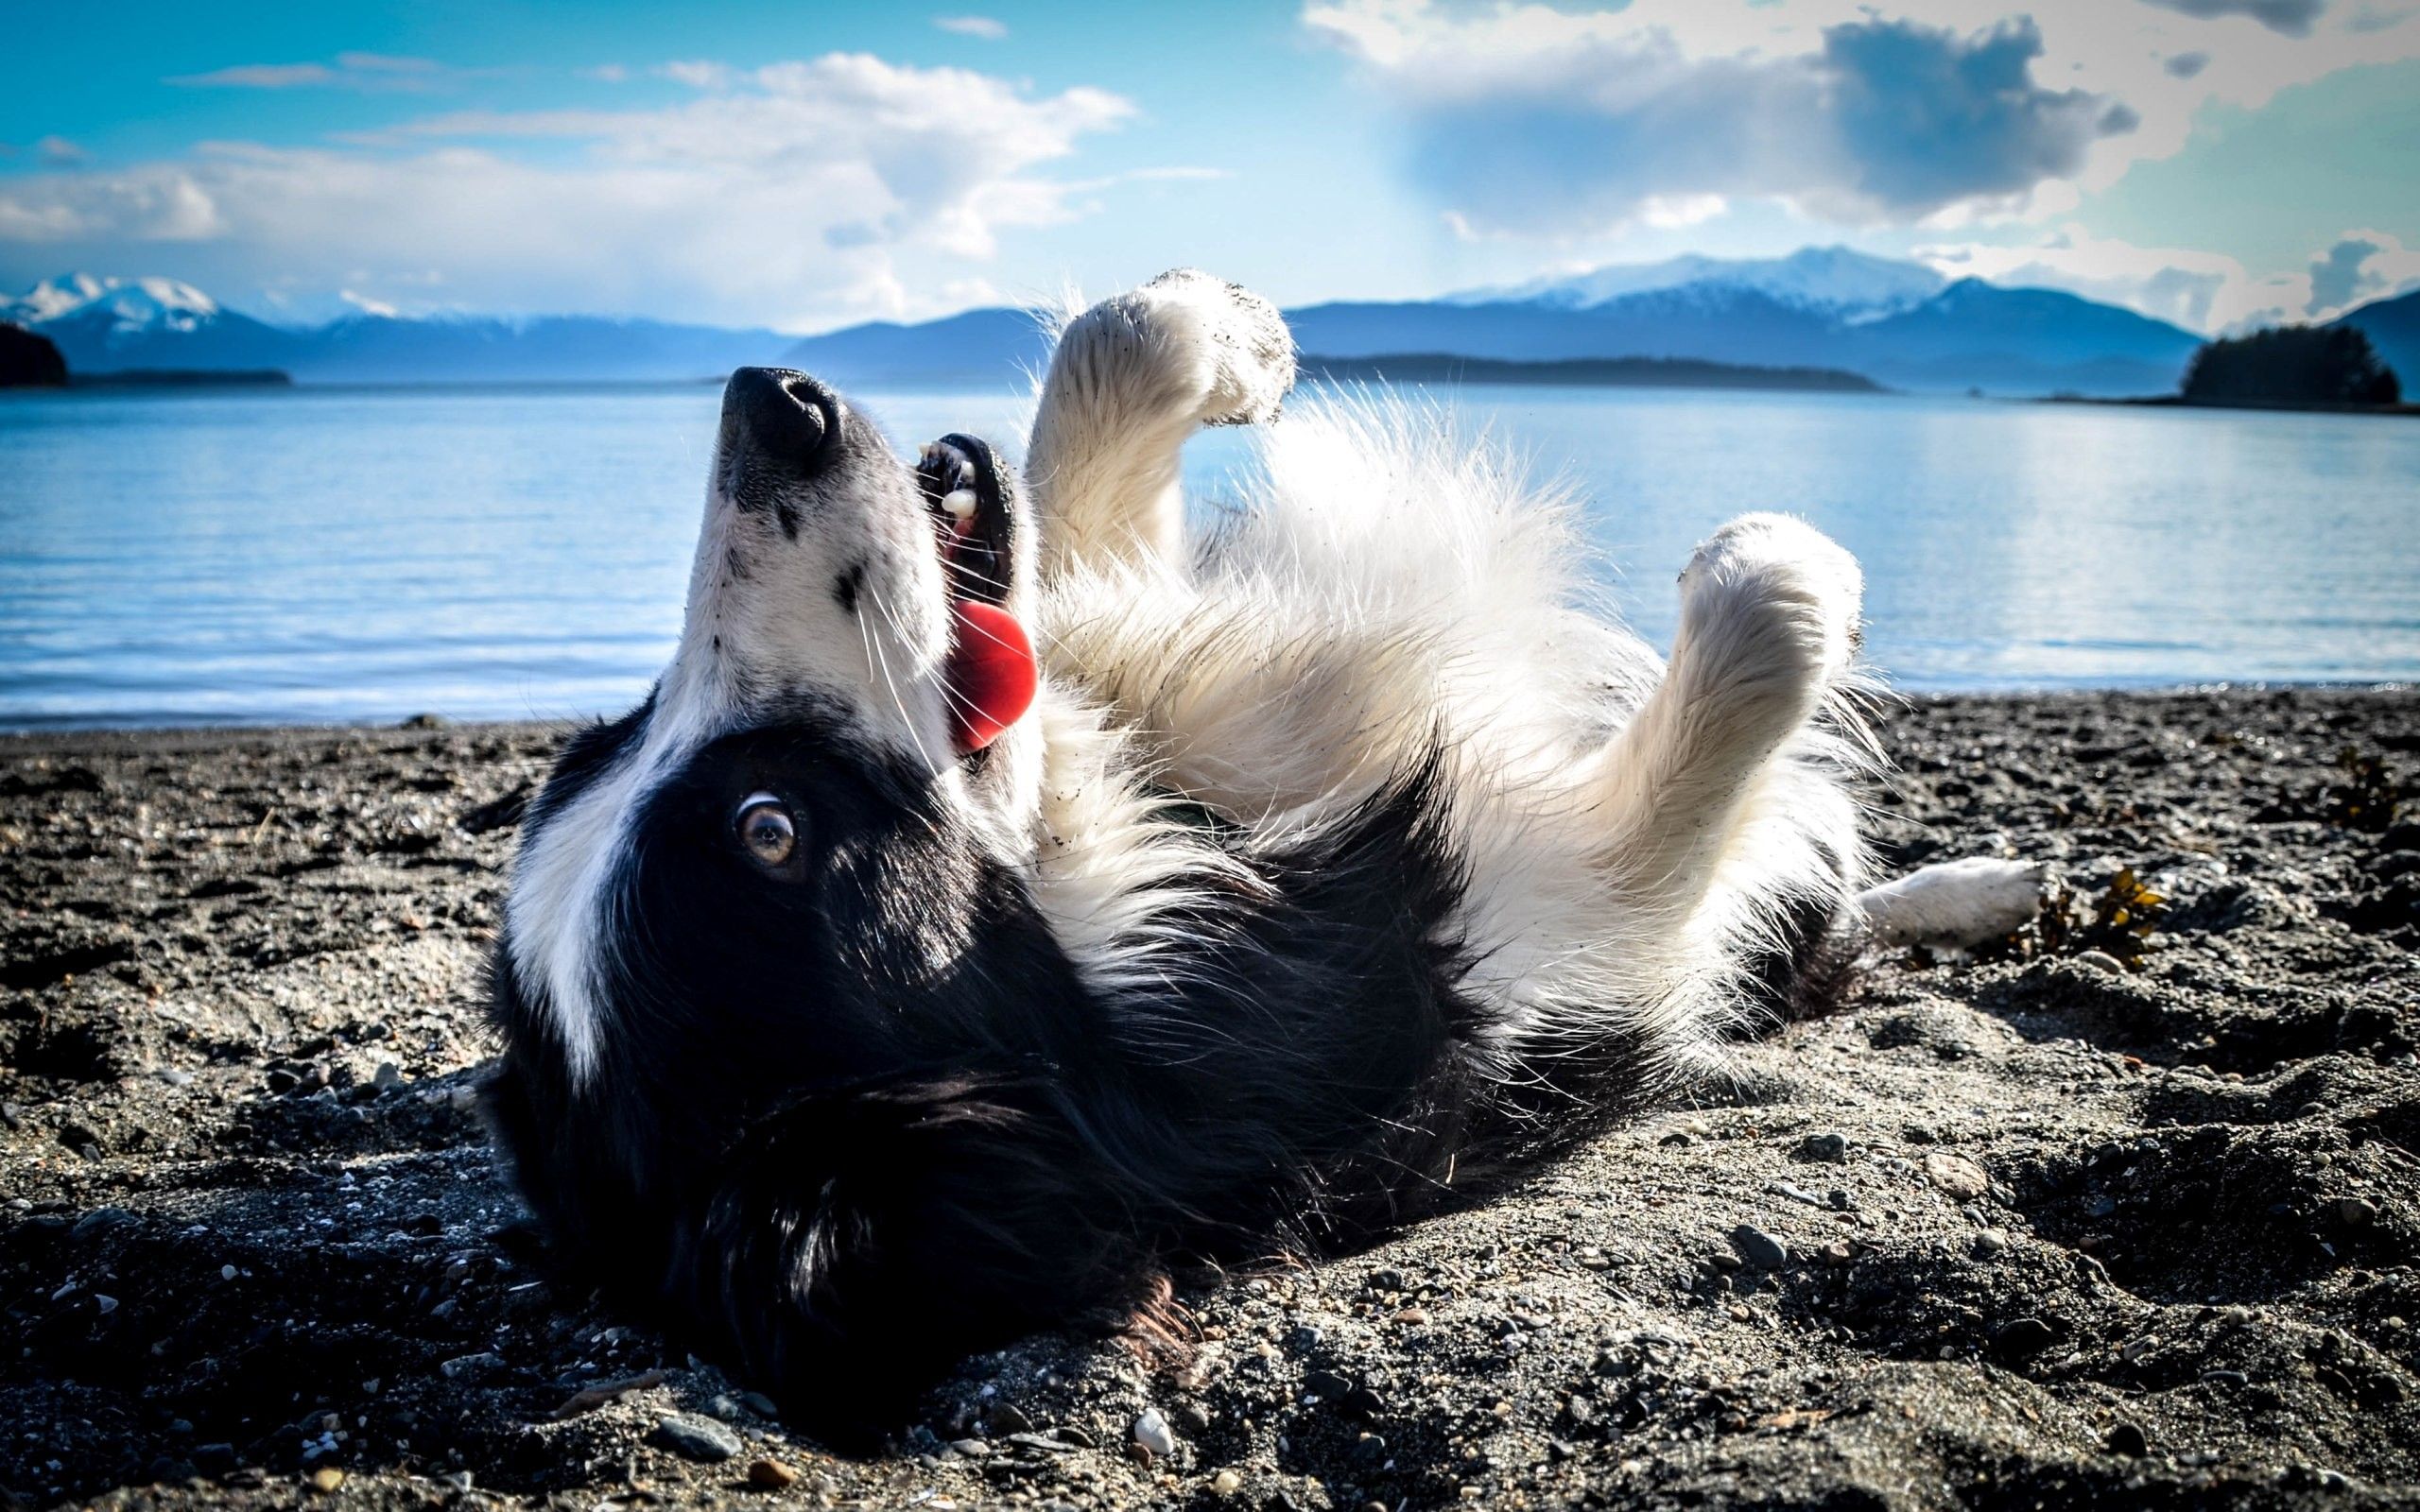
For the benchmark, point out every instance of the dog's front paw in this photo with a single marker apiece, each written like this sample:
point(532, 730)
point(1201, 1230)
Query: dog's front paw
point(1211, 352)
point(1772, 598)
point(1250, 352)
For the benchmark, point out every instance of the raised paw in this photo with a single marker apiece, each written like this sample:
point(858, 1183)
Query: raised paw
point(1213, 351)
point(1958, 904)
point(1768, 597)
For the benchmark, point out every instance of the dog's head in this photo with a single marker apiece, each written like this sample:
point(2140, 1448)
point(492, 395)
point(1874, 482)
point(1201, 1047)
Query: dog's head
point(791, 828)
point(774, 997)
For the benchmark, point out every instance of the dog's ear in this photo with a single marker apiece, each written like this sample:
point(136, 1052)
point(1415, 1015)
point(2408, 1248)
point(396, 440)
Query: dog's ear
point(861, 1240)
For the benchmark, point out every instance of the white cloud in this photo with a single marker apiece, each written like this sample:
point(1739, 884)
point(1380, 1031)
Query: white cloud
point(986, 27)
point(371, 73)
point(698, 75)
point(799, 193)
point(1568, 123)
point(2206, 292)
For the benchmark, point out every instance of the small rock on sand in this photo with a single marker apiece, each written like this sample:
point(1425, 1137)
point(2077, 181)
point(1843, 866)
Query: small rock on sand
point(1151, 1432)
point(699, 1438)
point(1759, 1249)
point(770, 1475)
point(1956, 1177)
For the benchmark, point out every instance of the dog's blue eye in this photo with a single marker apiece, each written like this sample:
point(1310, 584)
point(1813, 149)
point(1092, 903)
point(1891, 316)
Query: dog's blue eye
point(765, 830)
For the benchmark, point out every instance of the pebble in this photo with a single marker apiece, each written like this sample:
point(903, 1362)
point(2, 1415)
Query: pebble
point(1416, 1318)
point(1794, 1192)
point(1151, 1432)
point(1759, 1249)
point(2357, 1212)
point(1956, 1175)
point(98, 1222)
point(2102, 961)
point(1831, 1148)
point(326, 1479)
point(699, 1438)
point(1226, 1483)
point(1001, 1420)
point(1989, 1243)
point(770, 1475)
point(2023, 1337)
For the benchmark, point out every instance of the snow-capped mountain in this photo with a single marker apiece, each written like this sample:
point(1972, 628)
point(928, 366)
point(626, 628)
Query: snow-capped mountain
point(111, 325)
point(1898, 323)
point(1835, 282)
point(128, 305)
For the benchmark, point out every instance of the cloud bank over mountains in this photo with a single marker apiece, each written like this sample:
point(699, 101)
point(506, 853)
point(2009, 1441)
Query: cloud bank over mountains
point(1538, 121)
point(1974, 134)
point(796, 193)
point(1948, 114)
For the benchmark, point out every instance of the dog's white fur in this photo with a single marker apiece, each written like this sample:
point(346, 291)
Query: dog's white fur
point(1389, 590)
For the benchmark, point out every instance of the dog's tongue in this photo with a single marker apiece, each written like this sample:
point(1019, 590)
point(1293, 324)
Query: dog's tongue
point(992, 674)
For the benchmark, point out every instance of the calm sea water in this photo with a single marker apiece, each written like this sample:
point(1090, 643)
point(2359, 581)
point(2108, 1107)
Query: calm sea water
point(324, 555)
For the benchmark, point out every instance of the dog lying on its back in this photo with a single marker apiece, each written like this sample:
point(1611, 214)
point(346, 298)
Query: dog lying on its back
point(1002, 899)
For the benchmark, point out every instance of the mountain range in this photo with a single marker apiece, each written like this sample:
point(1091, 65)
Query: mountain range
point(1903, 324)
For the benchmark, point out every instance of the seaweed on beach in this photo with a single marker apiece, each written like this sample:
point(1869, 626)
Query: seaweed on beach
point(2371, 795)
point(2117, 923)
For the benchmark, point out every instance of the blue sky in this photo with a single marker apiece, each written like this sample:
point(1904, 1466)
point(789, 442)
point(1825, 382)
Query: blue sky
point(808, 164)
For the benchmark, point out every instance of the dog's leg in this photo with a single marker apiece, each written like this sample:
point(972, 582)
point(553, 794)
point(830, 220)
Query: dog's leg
point(1131, 378)
point(1769, 614)
point(1955, 903)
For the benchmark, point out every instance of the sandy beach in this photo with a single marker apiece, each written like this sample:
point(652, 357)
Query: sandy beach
point(2124, 1213)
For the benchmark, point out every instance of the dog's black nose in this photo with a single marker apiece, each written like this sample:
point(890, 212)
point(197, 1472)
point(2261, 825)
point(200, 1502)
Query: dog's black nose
point(788, 415)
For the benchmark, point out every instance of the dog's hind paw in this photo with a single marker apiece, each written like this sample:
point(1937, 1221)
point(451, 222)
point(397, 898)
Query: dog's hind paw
point(1959, 905)
point(1771, 602)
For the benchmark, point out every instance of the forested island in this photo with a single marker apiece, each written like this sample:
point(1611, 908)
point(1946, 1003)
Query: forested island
point(31, 360)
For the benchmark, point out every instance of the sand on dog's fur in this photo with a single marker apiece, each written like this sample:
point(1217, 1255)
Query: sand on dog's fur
point(2057, 1231)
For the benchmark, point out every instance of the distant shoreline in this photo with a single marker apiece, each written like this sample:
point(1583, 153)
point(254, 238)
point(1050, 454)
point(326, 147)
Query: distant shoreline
point(1585, 372)
point(2280, 405)
point(183, 378)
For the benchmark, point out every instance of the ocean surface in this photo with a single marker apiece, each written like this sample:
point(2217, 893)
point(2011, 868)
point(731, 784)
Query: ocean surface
point(323, 555)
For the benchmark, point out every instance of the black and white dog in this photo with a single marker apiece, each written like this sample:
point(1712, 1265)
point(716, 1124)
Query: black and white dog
point(1003, 899)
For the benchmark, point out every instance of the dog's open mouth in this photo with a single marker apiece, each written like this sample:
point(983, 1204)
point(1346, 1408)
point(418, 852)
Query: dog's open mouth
point(961, 482)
